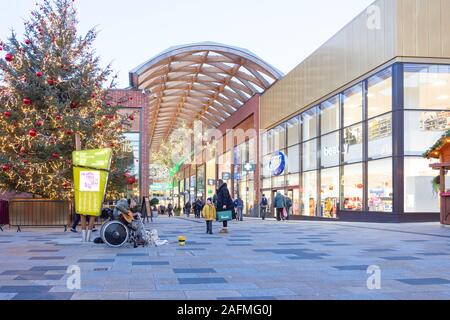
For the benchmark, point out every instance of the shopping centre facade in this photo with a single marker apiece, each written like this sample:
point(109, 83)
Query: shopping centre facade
point(342, 134)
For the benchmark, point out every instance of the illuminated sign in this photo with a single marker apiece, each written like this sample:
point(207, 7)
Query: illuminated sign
point(278, 164)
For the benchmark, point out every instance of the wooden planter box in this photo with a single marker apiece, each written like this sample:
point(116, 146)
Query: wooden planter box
point(39, 213)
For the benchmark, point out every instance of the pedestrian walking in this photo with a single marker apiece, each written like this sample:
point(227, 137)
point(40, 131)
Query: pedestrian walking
point(279, 204)
point(264, 204)
point(239, 206)
point(170, 210)
point(209, 214)
point(224, 202)
point(198, 207)
point(187, 208)
point(288, 207)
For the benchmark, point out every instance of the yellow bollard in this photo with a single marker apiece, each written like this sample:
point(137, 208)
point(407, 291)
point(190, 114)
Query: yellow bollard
point(182, 241)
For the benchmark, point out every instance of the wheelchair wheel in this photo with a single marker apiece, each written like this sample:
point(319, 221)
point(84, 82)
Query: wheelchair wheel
point(115, 234)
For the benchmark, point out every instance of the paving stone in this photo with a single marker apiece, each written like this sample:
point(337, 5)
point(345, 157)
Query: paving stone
point(201, 280)
point(194, 270)
point(425, 281)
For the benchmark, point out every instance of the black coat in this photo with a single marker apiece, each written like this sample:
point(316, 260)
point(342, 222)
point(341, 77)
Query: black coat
point(224, 198)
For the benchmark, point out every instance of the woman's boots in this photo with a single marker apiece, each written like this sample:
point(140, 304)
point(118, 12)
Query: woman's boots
point(86, 235)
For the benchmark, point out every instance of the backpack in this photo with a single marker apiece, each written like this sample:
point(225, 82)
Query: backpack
point(288, 202)
point(264, 201)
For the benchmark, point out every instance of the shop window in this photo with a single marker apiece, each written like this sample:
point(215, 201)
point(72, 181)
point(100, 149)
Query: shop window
point(267, 183)
point(353, 144)
point(293, 180)
point(423, 129)
point(309, 156)
point(329, 115)
point(278, 182)
point(380, 137)
point(293, 159)
point(330, 150)
point(279, 136)
point(420, 196)
point(353, 105)
point(427, 86)
point(329, 192)
point(352, 187)
point(293, 131)
point(310, 124)
point(309, 194)
point(379, 95)
point(266, 166)
point(380, 185)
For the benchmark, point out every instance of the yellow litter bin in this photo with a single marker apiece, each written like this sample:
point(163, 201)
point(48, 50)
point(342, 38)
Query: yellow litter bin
point(182, 241)
point(90, 174)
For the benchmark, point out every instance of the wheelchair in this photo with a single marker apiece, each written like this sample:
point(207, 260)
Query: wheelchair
point(122, 227)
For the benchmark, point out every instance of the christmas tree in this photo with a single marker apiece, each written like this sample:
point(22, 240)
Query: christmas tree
point(53, 87)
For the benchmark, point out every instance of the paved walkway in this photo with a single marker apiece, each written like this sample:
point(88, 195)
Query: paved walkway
point(256, 260)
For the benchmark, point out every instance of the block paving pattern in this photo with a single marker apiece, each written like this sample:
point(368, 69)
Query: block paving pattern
point(256, 261)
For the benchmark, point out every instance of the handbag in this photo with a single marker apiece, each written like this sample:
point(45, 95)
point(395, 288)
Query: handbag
point(224, 216)
point(285, 214)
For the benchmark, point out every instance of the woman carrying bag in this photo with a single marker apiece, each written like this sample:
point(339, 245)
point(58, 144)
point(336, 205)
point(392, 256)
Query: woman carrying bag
point(225, 205)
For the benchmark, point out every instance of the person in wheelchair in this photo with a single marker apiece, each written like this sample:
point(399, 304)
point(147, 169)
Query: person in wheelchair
point(124, 226)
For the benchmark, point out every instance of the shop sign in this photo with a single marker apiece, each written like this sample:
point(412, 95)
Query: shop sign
point(237, 176)
point(334, 150)
point(226, 176)
point(277, 164)
point(248, 167)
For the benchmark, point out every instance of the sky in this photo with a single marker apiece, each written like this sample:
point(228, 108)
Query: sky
point(282, 32)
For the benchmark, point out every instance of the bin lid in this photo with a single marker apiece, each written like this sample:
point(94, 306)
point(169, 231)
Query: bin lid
point(95, 159)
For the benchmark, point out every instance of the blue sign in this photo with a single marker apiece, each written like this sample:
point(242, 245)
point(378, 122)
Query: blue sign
point(278, 164)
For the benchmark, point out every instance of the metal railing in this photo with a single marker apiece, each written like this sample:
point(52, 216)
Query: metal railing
point(39, 213)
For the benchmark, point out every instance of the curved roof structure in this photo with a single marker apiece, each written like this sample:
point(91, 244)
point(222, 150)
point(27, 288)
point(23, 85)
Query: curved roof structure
point(204, 81)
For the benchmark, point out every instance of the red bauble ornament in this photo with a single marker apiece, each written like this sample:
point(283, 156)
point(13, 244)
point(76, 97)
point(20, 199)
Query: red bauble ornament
point(26, 101)
point(55, 155)
point(27, 42)
point(69, 132)
point(99, 124)
point(7, 114)
point(39, 123)
point(32, 133)
point(5, 168)
point(51, 81)
point(131, 117)
point(9, 57)
point(58, 117)
point(131, 180)
point(23, 150)
point(73, 105)
point(26, 161)
point(39, 74)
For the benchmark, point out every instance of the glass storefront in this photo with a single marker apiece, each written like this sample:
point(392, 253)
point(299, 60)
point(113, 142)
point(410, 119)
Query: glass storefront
point(350, 140)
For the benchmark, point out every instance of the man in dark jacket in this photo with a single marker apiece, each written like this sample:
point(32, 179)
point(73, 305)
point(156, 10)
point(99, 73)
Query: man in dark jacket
point(198, 207)
point(279, 204)
point(224, 202)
